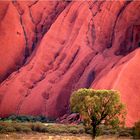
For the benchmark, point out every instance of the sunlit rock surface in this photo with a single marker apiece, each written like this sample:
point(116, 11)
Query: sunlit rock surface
point(50, 48)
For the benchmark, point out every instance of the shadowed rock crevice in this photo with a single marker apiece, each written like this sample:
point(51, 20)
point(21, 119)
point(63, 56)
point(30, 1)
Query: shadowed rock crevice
point(90, 79)
point(91, 34)
point(21, 12)
point(131, 42)
point(120, 12)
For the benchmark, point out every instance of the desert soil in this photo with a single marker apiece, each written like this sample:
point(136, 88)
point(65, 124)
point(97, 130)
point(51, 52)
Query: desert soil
point(39, 136)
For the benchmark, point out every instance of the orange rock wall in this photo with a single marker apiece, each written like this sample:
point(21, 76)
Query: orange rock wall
point(51, 48)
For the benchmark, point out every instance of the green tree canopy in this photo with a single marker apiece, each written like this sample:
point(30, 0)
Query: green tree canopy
point(98, 107)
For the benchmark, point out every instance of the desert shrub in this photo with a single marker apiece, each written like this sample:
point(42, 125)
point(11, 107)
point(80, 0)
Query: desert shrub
point(18, 127)
point(2, 129)
point(57, 129)
point(40, 127)
point(25, 129)
point(9, 129)
point(126, 132)
point(44, 119)
point(26, 118)
point(76, 129)
point(60, 128)
point(73, 130)
point(6, 127)
point(136, 130)
point(12, 117)
point(37, 127)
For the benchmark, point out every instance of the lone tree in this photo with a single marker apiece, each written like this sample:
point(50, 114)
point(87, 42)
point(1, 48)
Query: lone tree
point(98, 107)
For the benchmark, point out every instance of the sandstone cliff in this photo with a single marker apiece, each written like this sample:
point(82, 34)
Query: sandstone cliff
point(50, 48)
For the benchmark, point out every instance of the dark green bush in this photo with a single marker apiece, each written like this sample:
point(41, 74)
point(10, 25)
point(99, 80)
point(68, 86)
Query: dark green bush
point(26, 118)
point(12, 117)
point(136, 130)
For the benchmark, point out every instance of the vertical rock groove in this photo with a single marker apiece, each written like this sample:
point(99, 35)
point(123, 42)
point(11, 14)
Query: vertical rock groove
point(21, 12)
point(115, 22)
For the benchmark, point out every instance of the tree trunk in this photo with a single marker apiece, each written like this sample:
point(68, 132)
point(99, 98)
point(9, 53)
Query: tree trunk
point(94, 132)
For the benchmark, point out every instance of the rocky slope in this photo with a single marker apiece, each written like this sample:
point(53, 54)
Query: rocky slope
point(50, 48)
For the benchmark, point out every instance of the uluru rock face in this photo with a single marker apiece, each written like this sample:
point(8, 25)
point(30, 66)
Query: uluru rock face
point(50, 48)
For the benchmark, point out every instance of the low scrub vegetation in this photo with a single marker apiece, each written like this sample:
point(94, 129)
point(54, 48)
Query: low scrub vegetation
point(136, 130)
point(57, 128)
point(54, 128)
point(40, 127)
point(25, 118)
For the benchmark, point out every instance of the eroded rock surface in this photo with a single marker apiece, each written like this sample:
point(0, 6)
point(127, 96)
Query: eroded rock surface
point(51, 48)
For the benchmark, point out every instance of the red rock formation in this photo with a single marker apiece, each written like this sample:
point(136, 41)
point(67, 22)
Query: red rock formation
point(52, 48)
point(30, 21)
